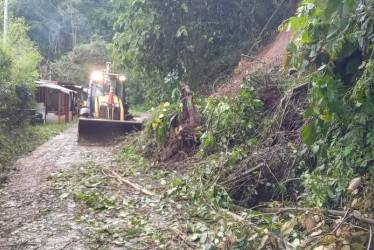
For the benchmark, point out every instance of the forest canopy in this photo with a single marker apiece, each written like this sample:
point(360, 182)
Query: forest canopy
point(57, 26)
point(157, 43)
point(164, 42)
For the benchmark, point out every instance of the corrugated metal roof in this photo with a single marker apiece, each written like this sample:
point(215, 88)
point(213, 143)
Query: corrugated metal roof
point(53, 86)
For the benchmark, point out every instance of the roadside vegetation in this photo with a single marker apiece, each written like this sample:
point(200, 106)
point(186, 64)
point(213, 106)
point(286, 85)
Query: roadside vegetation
point(138, 109)
point(18, 63)
point(21, 141)
point(19, 60)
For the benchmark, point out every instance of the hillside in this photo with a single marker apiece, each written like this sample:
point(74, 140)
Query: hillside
point(267, 56)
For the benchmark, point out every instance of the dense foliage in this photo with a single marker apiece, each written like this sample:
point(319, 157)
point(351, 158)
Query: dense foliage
point(19, 59)
point(334, 45)
point(229, 121)
point(57, 26)
point(76, 65)
point(18, 63)
point(167, 41)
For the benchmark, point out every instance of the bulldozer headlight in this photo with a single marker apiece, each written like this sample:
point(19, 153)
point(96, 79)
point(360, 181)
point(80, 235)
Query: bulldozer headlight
point(96, 76)
point(122, 78)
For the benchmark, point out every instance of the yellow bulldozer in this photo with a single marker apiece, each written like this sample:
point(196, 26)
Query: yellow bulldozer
point(106, 113)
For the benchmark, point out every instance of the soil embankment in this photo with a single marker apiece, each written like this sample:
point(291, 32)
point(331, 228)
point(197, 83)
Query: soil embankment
point(269, 55)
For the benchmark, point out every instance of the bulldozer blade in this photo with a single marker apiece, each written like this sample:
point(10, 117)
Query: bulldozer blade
point(100, 131)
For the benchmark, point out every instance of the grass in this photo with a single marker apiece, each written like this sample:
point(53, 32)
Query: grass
point(20, 141)
point(138, 109)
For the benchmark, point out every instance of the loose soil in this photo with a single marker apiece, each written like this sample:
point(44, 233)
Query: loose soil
point(269, 55)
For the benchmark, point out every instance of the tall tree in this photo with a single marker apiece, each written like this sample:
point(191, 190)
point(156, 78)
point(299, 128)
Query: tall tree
point(18, 63)
point(57, 26)
point(193, 40)
point(76, 65)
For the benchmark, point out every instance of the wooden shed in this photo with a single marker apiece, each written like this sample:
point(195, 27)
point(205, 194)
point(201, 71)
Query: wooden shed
point(80, 96)
point(54, 101)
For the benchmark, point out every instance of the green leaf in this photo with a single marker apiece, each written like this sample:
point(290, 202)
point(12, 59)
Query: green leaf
point(315, 149)
point(308, 134)
point(182, 31)
point(350, 3)
point(362, 66)
point(191, 48)
point(332, 6)
point(282, 188)
point(332, 31)
point(309, 112)
point(194, 237)
point(178, 182)
point(203, 238)
point(291, 48)
point(305, 37)
point(310, 6)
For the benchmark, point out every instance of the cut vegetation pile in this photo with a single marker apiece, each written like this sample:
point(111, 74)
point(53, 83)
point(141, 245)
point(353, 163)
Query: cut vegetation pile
point(245, 148)
point(256, 126)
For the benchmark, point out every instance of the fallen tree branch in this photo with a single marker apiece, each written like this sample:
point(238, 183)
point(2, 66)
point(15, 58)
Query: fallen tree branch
point(354, 214)
point(300, 87)
point(127, 182)
point(371, 236)
point(67, 244)
point(284, 110)
point(183, 237)
point(245, 174)
point(346, 216)
point(18, 245)
point(282, 243)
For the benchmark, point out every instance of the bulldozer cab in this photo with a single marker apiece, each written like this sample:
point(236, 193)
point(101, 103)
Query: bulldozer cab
point(100, 85)
point(108, 110)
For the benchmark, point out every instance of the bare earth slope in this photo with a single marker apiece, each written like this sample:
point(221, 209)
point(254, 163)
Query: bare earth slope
point(270, 54)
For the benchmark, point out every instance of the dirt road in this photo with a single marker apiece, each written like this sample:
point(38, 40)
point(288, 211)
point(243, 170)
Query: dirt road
point(32, 216)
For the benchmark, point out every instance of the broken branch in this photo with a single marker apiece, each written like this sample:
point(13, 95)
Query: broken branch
point(189, 109)
point(282, 243)
point(183, 237)
point(300, 87)
point(354, 214)
point(371, 236)
point(243, 175)
point(127, 182)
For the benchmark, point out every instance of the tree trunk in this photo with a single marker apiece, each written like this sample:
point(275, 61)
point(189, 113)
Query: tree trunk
point(189, 110)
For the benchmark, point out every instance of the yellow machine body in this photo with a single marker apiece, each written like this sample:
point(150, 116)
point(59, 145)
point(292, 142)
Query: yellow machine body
point(103, 111)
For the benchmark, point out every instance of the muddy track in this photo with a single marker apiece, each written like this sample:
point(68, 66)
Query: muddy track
point(32, 215)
